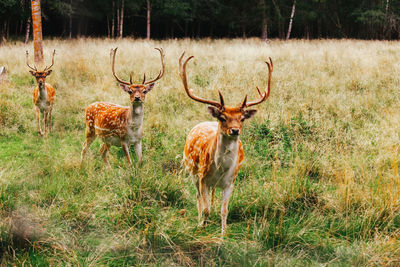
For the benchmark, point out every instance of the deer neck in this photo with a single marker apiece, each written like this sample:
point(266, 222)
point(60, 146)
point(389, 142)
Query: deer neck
point(42, 90)
point(136, 111)
point(226, 149)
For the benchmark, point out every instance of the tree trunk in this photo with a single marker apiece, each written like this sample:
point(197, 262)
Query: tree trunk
point(148, 19)
point(113, 20)
point(291, 20)
point(121, 20)
point(264, 26)
point(37, 31)
point(278, 11)
point(108, 27)
point(70, 19)
point(8, 30)
point(28, 29)
point(118, 22)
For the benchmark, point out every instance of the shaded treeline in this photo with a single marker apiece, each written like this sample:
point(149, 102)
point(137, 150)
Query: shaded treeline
point(364, 19)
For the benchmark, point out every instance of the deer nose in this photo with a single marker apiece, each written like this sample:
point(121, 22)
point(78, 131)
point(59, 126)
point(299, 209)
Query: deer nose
point(137, 98)
point(234, 131)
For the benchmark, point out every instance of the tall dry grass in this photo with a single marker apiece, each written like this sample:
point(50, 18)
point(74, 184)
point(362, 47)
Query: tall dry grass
point(320, 182)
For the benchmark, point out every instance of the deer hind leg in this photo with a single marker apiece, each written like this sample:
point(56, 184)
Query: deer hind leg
point(38, 120)
point(103, 152)
point(226, 194)
point(125, 147)
point(212, 198)
point(198, 196)
point(90, 136)
point(205, 201)
point(138, 150)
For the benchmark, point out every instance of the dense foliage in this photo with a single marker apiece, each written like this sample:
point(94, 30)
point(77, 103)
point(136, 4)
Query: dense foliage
point(365, 19)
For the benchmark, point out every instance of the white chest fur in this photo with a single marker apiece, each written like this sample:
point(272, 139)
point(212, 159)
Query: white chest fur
point(42, 101)
point(225, 161)
point(134, 133)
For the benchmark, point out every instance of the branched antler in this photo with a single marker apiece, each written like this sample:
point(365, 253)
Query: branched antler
point(162, 55)
point(27, 62)
point(182, 74)
point(262, 98)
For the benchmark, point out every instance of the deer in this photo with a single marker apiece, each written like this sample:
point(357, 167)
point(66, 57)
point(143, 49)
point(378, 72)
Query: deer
point(44, 95)
point(120, 125)
point(213, 152)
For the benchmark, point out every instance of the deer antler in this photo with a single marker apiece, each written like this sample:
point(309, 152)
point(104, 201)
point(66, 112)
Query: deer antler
point(27, 61)
point(270, 65)
point(182, 74)
point(162, 55)
point(112, 56)
point(52, 61)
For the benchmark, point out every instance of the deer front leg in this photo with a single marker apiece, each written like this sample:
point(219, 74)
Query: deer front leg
point(226, 194)
point(103, 152)
point(46, 114)
point(138, 150)
point(38, 120)
point(204, 200)
point(125, 147)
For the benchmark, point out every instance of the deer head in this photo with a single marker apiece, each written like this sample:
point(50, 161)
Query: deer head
point(40, 75)
point(137, 92)
point(230, 118)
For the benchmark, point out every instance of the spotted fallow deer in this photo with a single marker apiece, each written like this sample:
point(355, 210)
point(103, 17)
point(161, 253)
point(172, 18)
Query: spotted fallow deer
point(213, 152)
point(117, 125)
point(44, 94)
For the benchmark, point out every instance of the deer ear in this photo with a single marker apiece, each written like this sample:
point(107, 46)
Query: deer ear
point(125, 88)
point(214, 112)
point(148, 88)
point(33, 73)
point(247, 114)
point(48, 72)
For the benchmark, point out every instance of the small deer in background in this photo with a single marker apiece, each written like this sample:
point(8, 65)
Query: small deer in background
point(213, 152)
point(44, 94)
point(117, 125)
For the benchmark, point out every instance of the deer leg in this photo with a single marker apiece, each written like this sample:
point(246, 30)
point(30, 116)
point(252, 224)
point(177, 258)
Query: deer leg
point(212, 198)
point(46, 114)
point(138, 150)
point(226, 194)
point(199, 201)
point(50, 119)
point(204, 199)
point(103, 152)
point(38, 120)
point(90, 136)
point(125, 147)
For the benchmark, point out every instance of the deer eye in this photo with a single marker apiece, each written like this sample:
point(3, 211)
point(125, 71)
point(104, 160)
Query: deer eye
point(242, 118)
point(222, 119)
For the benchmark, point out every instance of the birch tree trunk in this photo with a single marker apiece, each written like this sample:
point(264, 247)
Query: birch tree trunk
point(291, 20)
point(37, 31)
point(148, 19)
point(121, 20)
point(28, 29)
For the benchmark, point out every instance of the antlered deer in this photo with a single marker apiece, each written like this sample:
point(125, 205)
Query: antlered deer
point(44, 94)
point(117, 125)
point(213, 152)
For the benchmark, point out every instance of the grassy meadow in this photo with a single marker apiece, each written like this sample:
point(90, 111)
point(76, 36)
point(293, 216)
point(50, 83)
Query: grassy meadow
point(319, 185)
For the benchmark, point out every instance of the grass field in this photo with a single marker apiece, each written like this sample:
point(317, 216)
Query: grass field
point(319, 185)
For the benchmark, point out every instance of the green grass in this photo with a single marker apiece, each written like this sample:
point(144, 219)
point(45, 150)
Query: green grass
point(319, 185)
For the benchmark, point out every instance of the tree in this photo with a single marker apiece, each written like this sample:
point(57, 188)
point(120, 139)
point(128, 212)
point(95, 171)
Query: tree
point(291, 20)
